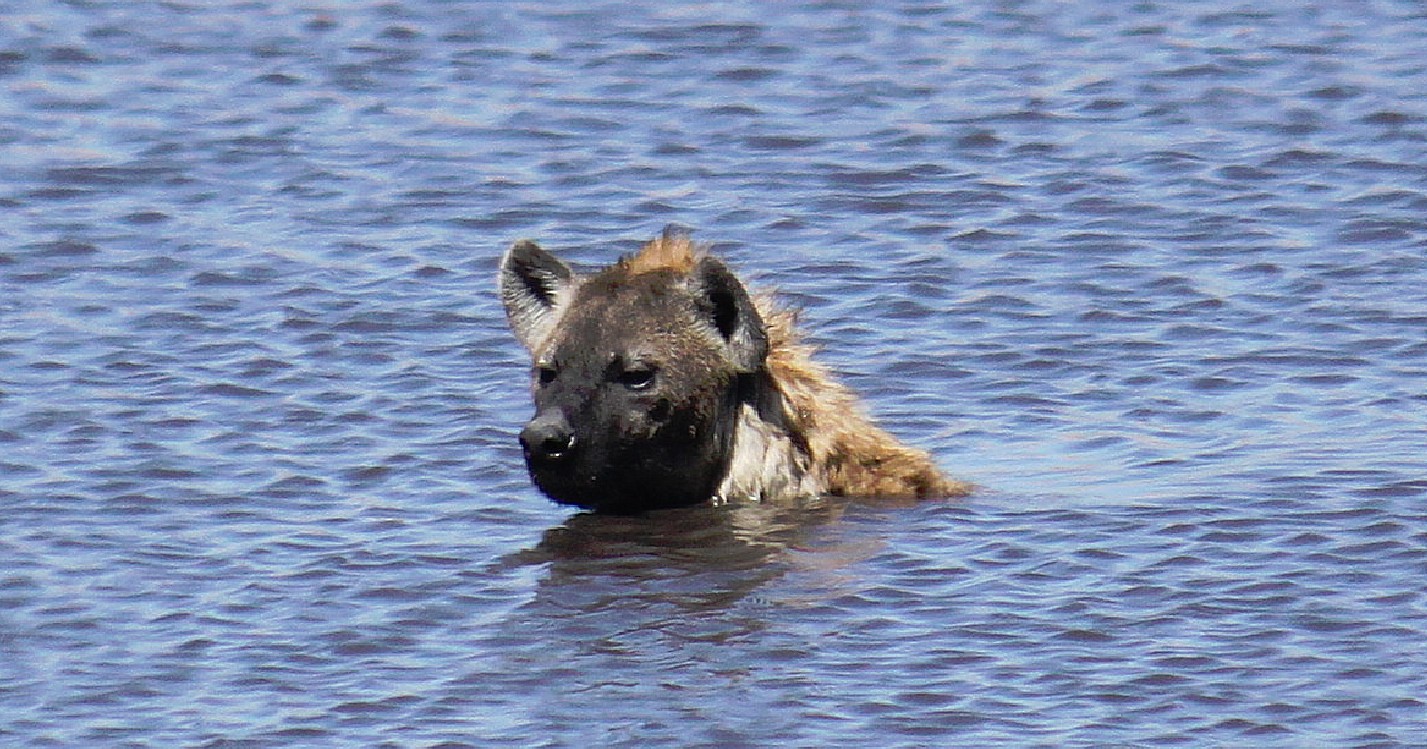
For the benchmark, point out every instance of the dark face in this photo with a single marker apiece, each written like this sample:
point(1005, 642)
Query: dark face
point(635, 398)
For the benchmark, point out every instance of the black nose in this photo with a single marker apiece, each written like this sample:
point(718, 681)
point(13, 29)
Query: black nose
point(547, 437)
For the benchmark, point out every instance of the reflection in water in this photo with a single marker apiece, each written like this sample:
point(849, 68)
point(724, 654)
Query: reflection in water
point(669, 610)
point(666, 571)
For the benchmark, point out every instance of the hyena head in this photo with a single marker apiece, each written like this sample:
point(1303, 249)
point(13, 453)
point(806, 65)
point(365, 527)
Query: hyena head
point(639, 373)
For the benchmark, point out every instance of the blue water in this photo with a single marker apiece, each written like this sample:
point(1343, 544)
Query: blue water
point(1154, 275)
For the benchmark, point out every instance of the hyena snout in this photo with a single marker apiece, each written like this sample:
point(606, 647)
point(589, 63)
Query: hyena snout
point(548, 438)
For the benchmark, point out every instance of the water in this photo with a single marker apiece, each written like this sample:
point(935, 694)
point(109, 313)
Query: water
point(1153, 275)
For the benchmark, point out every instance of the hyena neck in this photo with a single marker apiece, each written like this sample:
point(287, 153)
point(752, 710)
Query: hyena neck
point(772, 457)
point(769, 461)
point(800, 432)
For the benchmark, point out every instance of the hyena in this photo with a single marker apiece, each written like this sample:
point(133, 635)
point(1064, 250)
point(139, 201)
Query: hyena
point(660, 381)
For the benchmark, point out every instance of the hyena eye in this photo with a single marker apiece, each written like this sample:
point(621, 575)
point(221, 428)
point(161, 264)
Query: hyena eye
point(546, 375)
point(637, 379)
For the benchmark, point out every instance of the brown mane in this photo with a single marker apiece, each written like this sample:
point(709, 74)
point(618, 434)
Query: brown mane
point(672, 251)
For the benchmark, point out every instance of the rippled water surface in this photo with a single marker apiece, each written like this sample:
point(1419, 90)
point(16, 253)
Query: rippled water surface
point(1154, 275)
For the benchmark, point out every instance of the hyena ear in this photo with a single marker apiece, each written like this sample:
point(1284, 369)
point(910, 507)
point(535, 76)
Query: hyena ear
point(532, 282)
point(732, 314)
